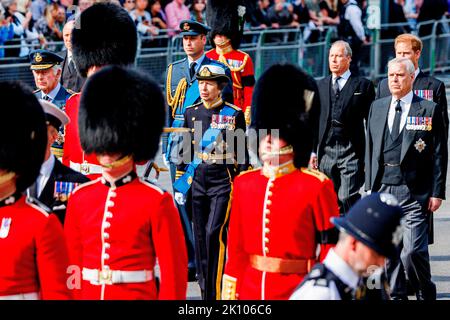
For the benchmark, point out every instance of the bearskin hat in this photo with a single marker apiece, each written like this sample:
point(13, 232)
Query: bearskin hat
point(23, 133)
point(286, 98)
point(121, 111)
point(103, 34)
point(226, 17)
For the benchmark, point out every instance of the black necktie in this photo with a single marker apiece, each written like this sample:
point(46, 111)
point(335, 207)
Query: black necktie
point(71, 66)
point(396, 125)
point(192, 69)
point(336, 86)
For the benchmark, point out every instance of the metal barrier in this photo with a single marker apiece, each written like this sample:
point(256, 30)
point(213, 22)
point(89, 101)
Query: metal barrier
point(269, 46)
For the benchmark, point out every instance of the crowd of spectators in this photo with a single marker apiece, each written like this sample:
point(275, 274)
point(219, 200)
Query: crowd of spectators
point(30, 23)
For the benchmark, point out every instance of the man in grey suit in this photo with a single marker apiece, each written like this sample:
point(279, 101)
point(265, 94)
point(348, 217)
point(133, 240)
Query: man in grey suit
point(345, 100)
point(406, 155)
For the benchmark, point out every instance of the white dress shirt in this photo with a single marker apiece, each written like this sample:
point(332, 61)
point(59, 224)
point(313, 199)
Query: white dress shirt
point(343, 80)
point(44, 174)
point(405, 103)
point(334, 263)
point(52, 94)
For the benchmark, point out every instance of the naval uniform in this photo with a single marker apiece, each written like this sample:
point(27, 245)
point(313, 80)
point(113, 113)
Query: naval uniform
point(211, 187)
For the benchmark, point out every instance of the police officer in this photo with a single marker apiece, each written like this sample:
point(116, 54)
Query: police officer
point(55, 181)
point(182, 91)
point(46, 68)
point(369, 234)
point(215, 161)
point(351, 30)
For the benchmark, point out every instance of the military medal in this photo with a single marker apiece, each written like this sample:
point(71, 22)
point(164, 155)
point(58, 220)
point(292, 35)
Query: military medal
point(4, 229)
point(420, 145)
point(419, 123)
point(63, 189)
point(424, 94)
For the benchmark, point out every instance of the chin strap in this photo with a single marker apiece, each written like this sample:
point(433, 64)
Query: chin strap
point(118, 163)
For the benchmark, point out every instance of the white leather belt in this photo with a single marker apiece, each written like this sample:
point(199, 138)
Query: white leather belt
point(100, 277)
point(86, 168)
point(22, 296)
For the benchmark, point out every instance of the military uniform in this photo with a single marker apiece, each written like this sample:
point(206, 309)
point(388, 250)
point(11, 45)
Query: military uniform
point(242, 74)
point(215, 161)
point(117, 226)
point(34, 256)
point(41, 60)
point(137, 223)
point(74, 156)
point(182, 91)
point(225, 19)
point(273, 239)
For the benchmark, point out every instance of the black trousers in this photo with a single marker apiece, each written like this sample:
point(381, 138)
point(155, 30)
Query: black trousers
point(211, 202)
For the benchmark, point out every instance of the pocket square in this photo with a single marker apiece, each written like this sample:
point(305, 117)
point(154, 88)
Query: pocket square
point(357, 93)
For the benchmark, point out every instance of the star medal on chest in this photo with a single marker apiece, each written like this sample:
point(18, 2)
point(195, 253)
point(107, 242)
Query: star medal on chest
point(223, 122)
point(4, 229)
point(420, 145)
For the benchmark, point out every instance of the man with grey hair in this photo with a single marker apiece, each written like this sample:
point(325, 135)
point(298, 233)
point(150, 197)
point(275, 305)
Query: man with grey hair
point(345, 101)
point(46, 68)
point(406, 155)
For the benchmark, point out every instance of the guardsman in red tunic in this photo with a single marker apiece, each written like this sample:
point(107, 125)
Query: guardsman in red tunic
point(226, 19)
point(280, 212)
point(118, 225)
point(33, 250)
point(108, 36)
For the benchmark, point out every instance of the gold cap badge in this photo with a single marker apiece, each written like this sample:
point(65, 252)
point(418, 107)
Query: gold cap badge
point(186, 26)
point(37, 57)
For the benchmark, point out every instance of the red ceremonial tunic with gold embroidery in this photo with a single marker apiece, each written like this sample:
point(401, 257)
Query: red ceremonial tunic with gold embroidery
point(241, 67)
point(276, 219)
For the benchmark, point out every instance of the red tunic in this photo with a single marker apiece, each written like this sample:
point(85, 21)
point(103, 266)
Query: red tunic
point(241, 67)
point(72, 146)
point(125, 228)
point(33, 252)
point(275, 218)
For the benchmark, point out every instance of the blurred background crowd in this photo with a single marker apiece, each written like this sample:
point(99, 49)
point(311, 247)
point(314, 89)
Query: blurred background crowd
point(40, 22)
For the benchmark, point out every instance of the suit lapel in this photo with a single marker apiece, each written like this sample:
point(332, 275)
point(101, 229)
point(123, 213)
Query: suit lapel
point(379, 121)
point(47, 194)
point(185, 70)
point(348, 90)
point(421, 82)
point(416, 110)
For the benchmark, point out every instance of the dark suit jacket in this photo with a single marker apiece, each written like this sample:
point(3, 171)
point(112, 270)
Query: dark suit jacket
point(59, 173)
point(424, 172)
point(357, 95)
point(70, 79)
point(423, 82)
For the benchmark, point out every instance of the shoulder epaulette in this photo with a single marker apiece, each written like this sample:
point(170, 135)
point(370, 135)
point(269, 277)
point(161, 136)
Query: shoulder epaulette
point(178, 62)
point(245, 53)
point(315, 173)
point(152, 185)
point(233, 106)
point(71, 92)
point(74, 94)
point(194, 105)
